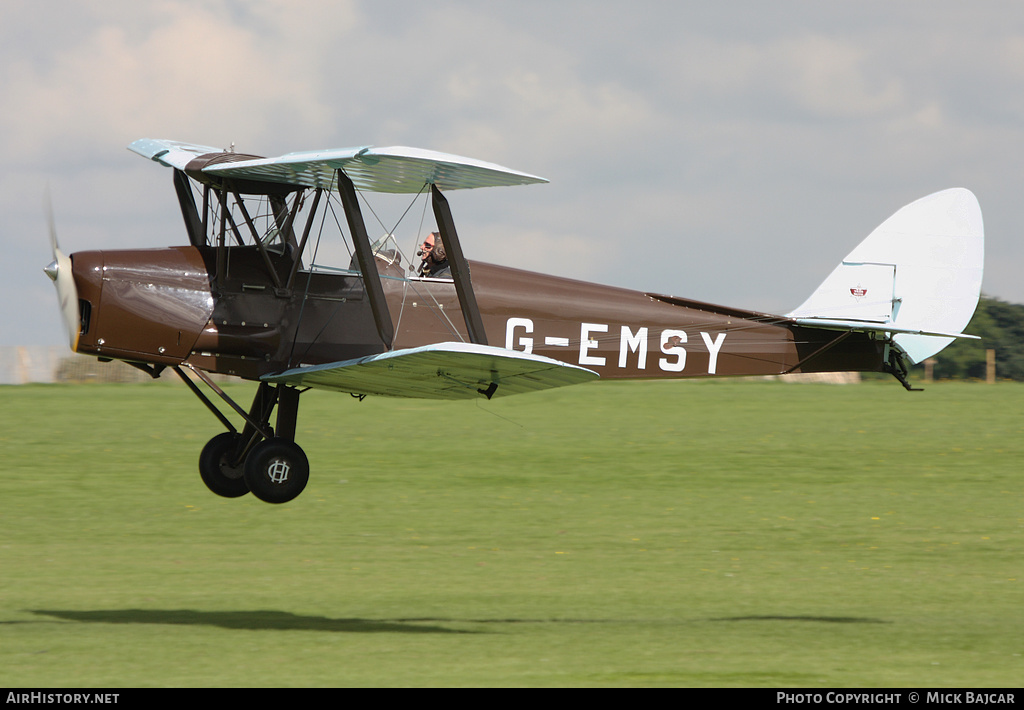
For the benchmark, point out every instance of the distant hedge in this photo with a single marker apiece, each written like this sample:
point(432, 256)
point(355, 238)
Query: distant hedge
point(1001, 327)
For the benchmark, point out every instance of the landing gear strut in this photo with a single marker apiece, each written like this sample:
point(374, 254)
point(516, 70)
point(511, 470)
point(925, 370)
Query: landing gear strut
point(896, 367)
point(269, 464)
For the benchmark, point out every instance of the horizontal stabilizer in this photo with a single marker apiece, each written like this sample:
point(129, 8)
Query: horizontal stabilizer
point(439, 371)
point(870, 327)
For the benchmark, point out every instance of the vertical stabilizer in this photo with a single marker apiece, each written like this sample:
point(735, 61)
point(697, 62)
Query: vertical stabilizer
point(920, 269)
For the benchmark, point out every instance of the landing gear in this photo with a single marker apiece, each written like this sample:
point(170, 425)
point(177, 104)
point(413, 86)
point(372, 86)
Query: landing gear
point(896, 367)
point(276, 470)
point(220, 466)
point(258, 459)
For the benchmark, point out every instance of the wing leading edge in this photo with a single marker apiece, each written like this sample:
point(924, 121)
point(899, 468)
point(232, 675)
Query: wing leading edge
point(439, 371)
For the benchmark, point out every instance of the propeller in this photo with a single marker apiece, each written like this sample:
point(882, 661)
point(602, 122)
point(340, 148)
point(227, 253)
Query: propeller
point(59, 271)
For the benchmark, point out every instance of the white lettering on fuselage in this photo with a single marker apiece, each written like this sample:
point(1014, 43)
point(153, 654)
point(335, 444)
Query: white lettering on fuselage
point(525, 343)
point(586, 344)
point(671, 344)
point(519, 331)
point(634, 344)
point(713, 349)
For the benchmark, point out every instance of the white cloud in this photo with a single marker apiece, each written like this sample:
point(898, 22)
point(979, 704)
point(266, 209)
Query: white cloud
point(832, 78)
point(183, 69)
point(813, 76)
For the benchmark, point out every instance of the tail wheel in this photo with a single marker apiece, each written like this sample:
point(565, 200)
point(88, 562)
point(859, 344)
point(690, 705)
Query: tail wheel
point(276, 470)
point(216, 466)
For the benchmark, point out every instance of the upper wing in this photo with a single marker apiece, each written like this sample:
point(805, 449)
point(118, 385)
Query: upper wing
point(439, 371)
point(173, 154)
point(396, 169)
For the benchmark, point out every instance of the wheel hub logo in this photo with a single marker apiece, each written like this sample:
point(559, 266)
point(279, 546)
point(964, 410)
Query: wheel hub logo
point(278, 471)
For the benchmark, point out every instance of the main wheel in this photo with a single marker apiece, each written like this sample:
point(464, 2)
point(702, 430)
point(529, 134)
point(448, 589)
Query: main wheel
point(216, 469)
point(276, 470)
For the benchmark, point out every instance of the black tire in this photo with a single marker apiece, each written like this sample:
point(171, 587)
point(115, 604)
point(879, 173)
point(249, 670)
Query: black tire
point(215, 466)
point(276, 470)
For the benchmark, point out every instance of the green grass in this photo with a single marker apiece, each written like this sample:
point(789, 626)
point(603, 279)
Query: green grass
point(707, 533)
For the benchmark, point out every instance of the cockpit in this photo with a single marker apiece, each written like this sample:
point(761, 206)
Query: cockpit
point(294, 229)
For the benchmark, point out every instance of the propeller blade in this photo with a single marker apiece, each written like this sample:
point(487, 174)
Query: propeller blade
point(60, 272)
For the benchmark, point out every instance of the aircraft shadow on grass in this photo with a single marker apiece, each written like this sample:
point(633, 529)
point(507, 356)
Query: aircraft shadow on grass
point(247, 620)
point(822, 619)
point(285, 621)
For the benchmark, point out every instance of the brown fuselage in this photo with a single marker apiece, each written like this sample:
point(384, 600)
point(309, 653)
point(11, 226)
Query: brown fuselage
point(171, 306)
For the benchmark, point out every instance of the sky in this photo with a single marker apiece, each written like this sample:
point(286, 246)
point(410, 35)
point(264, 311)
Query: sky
point(729, 152)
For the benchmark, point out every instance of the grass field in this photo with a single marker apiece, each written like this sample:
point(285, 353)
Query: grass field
point(706, 533)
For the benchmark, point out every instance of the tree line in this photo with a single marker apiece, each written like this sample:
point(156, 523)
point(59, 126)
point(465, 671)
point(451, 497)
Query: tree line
point(1001, 328)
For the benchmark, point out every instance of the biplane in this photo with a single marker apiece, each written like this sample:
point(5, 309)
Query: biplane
point(254, 295)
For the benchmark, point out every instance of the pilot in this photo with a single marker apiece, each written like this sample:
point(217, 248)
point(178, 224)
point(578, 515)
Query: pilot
point(433, 258)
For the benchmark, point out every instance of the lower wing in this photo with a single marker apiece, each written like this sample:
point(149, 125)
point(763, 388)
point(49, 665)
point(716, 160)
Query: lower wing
point(439, 371)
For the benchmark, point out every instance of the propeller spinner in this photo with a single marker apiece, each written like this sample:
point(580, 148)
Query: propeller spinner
point(59, 271)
